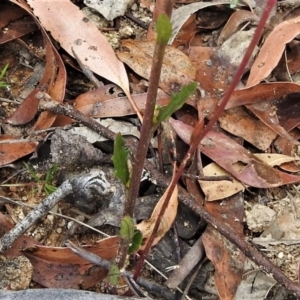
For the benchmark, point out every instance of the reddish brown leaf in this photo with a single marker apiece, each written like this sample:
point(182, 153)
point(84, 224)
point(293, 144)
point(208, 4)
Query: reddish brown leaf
point(12, 150)
point(227, 259)
point(103, 102)
point(240, 123)
point(68, 270)
point(16, 248)
point(235, 159)
point(272, 50)
point(262, 92)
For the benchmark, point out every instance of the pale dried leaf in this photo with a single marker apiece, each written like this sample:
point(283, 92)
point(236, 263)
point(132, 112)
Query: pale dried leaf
point(219, 189)
point(146, 227)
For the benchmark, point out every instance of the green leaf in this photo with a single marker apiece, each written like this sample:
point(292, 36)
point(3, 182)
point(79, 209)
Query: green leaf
point(32, 173)
point(233, 3)
point(113, 274)
point(3, 71)
point(136, 242)
point(163, 28)
point(127, 228)
point(120, 160)
point(176, 102)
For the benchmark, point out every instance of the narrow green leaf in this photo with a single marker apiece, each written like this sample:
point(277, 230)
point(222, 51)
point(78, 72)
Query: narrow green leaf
point(163, 28)
point(136, 242)
point(32, 173)
point(127, 228)
point(120, 159)
point(176, 102)
point(113, 274)
point(3, 71)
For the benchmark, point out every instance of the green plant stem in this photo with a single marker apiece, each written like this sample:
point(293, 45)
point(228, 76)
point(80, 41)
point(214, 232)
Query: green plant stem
point(194, 144)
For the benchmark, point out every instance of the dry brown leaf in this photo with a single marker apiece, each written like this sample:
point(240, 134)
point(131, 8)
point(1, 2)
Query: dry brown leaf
point(218, 189)
point(234, 23)
point(72, 29)
point(177, 69)
point(13, 150)
point(146, 227)
point(104, 102)
point(272, 50)
point(227, 259)
point(240, 123)
point(72, 270)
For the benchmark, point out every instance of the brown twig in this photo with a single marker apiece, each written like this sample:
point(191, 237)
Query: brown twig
point(46, 103)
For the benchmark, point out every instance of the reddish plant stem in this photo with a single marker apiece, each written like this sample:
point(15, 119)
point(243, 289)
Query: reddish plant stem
point(196, 139)
point(47, 103)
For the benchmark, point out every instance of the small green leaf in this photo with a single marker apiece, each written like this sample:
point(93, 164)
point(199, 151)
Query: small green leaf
point(176, 102)
point(233, 3)
point(163, 28)
point(3, 71)
point(136, 242)
point(127, 228)
point(113, 274)
point(120, 159)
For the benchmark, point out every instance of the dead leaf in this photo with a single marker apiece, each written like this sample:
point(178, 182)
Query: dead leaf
point(262, 92)
point(236, 160)
point(11, 150)
point(234, 23)
point(181, 14)
point(272, 49)
point(218, 189)
point(274, 159)
point(68, 270)
point(240, 123)
point(53, 82)
point(227, 259)
point(23, 241)
point(72, 29)
point(104, 102)
point(14, 23)
point(146, 227)
point(177, 69)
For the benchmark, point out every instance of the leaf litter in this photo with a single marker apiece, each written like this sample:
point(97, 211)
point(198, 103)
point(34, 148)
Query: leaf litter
point(261, 116)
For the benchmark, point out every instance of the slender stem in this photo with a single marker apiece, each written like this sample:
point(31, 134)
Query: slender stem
point(196, 141)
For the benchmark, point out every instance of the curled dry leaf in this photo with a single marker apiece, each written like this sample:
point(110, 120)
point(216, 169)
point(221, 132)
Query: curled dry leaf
point(272, 50)
point(234, 23)
point(177, 69)
point(181, 14)
point(146, 227)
